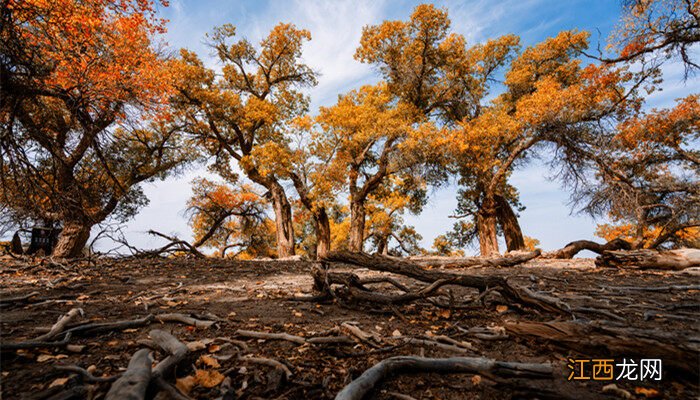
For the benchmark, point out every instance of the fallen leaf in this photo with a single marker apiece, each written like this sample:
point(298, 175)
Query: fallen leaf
point(209, 378)
point(501, 308)
point(209, 361)
point(647, 392)
point(297, 314)
point(444, 313)
point(476, 380)
point(45, 357)
point(185, 384)
point(58, 382)
point(130, 330)
point(214, 348)
point(396, 333)
point(196, 346)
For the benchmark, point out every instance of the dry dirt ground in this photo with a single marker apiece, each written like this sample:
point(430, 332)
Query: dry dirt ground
point(255, 296)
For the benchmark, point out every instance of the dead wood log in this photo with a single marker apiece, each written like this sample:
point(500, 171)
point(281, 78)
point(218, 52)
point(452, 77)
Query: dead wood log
point(678, 350)
point(573, 248)
point(650, 259)
point(366, 382)
point(386, 264)
point(134, 382)
point(507, 261)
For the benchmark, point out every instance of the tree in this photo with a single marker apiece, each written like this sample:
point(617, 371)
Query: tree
point(244, 113)
point(76, 82)
point(651, 28)
point(385, 210)
point(646, 176)
point(372, 137)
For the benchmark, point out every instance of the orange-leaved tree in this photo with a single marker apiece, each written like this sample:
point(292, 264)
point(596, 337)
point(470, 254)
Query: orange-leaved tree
point(77, 81)
point(372, 136)
point(247, 109)
point(225, 216)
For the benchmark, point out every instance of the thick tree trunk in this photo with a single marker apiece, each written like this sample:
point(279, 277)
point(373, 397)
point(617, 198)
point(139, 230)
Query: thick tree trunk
point(357, 226)
point(72, 240)
point(323, 233)
point(509, 223)
point(283, 221)
point(486, 219)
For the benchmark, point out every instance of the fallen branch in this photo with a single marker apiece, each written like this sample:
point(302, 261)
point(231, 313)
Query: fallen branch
point(271, 336)
point(61, 324)
point(93, 328)
point(176, 349)
point(269, 362)
point(86, 375)
point(33, 344)
point(182, 318)
point(133, 383)
point(361, 386)
point(18, 299)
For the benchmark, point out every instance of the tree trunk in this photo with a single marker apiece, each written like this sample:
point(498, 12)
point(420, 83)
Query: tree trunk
point(323, 233)
point(72, 240)
point(357, 226)
point(283, 221)
point(486, 219)
point(509, 223)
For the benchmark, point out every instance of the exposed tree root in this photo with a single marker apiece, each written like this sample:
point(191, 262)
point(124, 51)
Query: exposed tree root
point(364, 384)
point(521, 295)
point(573, 248)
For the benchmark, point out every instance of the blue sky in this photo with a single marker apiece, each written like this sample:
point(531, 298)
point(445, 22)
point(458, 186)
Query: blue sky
point(335, 27)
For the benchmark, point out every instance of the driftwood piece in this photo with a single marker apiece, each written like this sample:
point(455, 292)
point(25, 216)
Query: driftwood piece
point(134, 382)
point(386, 264)
point(650, 259)
point(366, 382)
point(506, 261)
point(573, 248)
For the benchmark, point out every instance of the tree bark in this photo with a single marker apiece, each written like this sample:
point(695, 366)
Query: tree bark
point(509, 223)
point(283, 221)
point(323, 233)
point(357, 225)
point(72, 239)
point(486, 219)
